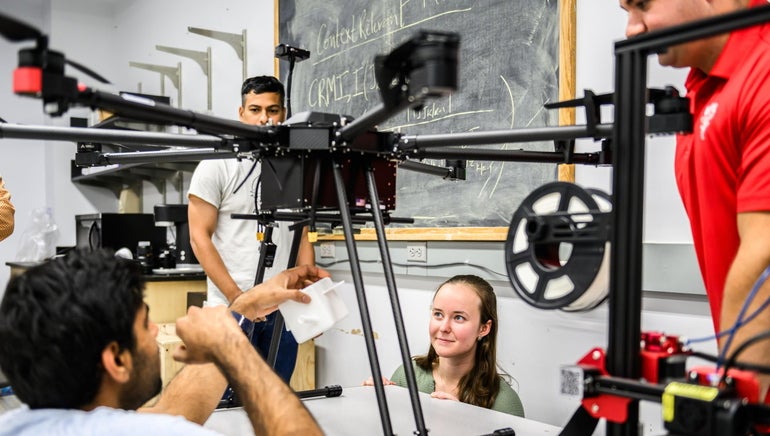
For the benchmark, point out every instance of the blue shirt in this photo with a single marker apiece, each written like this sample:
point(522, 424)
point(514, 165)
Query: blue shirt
point(100, 421)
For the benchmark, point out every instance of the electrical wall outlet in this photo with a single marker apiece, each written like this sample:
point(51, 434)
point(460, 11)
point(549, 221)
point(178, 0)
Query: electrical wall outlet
point(327, 249)
point(417, 252)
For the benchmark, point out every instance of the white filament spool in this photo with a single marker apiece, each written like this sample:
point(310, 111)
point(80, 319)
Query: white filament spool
point(567, 276)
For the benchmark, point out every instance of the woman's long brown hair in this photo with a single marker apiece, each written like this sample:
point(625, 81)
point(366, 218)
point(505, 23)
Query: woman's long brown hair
point(481, 385)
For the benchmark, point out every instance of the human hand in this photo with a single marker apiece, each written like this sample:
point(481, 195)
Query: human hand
point(300, 276)
point(264, 298)
point(370, 382)
point(443, 396)
point(204, 331)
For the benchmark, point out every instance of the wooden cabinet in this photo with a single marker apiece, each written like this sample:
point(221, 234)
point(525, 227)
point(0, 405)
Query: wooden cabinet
point(168, 300)
point(303, 378)
point(168, 297)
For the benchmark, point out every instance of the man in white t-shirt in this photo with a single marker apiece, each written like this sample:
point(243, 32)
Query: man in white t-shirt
point(227, 248)
point(80, 352)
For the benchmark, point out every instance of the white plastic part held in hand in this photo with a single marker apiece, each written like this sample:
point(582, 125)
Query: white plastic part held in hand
point(332, 287)
point(307, 321)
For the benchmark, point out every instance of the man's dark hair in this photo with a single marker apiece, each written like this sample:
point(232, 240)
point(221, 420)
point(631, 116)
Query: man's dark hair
point(262, 84)
point(55, 320)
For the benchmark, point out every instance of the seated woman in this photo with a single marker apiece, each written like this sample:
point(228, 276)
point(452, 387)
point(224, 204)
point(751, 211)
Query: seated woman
point(461, 363)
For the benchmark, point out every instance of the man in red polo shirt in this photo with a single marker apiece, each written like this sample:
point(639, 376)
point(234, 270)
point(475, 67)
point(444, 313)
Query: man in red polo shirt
point(723, 166)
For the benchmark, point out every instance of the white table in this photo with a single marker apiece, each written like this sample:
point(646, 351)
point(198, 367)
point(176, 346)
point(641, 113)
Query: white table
point(355, 413)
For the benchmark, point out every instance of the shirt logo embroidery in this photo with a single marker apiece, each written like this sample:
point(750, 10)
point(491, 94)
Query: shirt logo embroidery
point(705, 119)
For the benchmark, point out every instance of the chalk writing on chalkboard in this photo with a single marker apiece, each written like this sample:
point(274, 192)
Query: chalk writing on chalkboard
point(508, 70)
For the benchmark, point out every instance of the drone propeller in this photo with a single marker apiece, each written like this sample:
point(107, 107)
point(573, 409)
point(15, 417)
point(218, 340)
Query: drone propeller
point(16, 31)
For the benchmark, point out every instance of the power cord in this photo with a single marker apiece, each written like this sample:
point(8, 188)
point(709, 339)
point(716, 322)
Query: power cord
point(739, 322)
point(405, 265)
point(731, 361)
point(765, 369)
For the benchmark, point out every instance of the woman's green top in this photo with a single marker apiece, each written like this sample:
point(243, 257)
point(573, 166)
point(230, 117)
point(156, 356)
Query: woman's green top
point(507, 400)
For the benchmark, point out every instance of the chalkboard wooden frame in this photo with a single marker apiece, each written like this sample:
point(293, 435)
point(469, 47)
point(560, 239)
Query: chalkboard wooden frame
point(567, 40)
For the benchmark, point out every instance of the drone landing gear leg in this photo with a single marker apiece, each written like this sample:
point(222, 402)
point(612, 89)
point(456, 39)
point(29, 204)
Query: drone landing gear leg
point(275, 339)
point(390, 280)
point(355, 269)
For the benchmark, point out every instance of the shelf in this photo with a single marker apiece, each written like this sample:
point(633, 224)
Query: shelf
point(118, 176)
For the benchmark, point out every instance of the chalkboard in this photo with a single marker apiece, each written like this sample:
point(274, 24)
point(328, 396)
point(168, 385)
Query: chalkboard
point(509, 67)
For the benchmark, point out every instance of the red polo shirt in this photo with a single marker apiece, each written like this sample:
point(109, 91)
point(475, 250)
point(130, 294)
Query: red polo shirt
point(723, 166)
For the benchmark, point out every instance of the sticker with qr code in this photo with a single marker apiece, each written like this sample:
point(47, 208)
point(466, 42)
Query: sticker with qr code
point(572, 381)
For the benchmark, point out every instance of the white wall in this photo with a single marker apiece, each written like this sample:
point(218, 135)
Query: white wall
point(22, 162)
point(105, 35)
point(83, 32)
point(665, 219)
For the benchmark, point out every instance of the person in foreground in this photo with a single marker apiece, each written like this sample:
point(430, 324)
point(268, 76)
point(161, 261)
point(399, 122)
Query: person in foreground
point(462, 359)
point(723, 166)
point(77, 345)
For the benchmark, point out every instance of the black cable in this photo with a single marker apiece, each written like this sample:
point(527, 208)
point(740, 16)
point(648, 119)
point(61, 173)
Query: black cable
point(440, 265)
point(275, 174)
point(765, 369)
point(87, 71)
point(246, 178)
point(740, 321)
point(705, 356)
point(288, 86)
point(314, 196)
point(326, 391)
point(741, 348)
